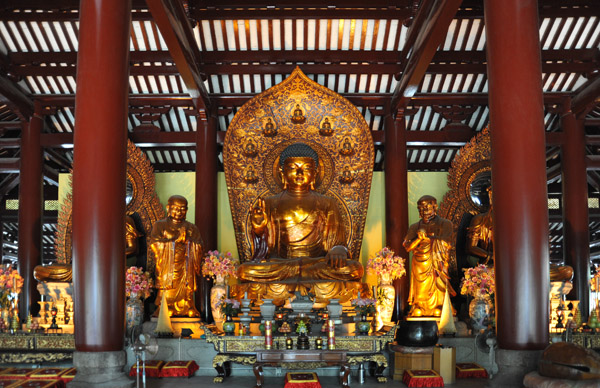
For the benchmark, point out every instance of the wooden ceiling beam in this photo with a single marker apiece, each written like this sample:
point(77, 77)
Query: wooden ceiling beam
point(587, 98)
point(308, 68)
point(15, 98)
point(567, 56)
point(427, 31)
point(10, 165)
point(175, 28)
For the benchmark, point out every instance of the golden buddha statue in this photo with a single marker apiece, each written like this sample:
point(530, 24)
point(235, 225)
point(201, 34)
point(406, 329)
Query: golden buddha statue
point(298, 115)
point(480, 244)
point(480, 237)
point(429, 241)
point(326, 129)
point(177, 247)
point(298, 235)
point(64, 272)
point(269, 129)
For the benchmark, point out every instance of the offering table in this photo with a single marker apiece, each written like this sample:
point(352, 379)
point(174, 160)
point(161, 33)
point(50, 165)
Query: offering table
point(36, 348)
point(243, 349)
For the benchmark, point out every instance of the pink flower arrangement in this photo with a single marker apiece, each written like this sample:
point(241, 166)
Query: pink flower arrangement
point(364, 306)
point(478, 280)
point(219, 265)
point(11, 284)
point(228, 306)
point(137, 283)
point(386, 263)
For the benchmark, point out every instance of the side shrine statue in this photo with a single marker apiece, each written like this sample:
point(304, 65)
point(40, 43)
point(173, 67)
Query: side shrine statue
point(429, 241)
point(177, 247)
point(298, 225)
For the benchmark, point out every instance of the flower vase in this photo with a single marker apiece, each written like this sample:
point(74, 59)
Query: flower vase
point(217, 293)
point(228, 325)
point(134, 313)
point(363, 326)
point(386, 296)
point(480, 310)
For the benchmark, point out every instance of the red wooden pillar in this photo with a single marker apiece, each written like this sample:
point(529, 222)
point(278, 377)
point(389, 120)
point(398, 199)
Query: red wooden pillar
point(576, 229)
point(31, 208)
point(206, 201)
point(518, 173)
point(396, 201)
point(99, 175)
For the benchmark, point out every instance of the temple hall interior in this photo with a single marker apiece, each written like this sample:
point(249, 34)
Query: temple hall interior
point(300, 193)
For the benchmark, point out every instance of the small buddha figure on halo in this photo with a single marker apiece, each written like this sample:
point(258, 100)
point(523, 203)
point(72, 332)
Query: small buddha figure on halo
point(429, 241)
point(298, 234)
point(326, 129)
point(250, 149)
point(347, 176)
point(347, 148)
point(177, 246)
point(269, 130)
point(250, 175)
point(298, 115)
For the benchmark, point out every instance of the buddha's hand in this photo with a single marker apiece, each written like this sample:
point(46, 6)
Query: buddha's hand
point(258, 217)
point(422, 235)
point(182, 235)
point(337, 257)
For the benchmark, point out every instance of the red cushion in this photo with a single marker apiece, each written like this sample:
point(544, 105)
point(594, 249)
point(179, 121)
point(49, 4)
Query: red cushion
point(466, 370)
point(302, 380)
point(422, 378)
point(179, 369)
point(153, 368)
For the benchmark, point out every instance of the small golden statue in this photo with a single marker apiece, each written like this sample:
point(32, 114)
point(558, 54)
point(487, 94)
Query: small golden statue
point(298, 234)
point(347, 147)
point(298, 115)
point(429, 241)
point(250, 148)
point(347, 176)
point(326, 129)
point(250, 175)
point(269, 130)
point(177, 246)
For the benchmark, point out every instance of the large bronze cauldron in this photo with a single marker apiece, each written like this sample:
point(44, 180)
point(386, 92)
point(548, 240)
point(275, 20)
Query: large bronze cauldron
point(417, 333)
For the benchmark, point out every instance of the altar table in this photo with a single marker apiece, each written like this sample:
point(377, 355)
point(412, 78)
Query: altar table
point(36, 348)
point(278, 357)
point(243, 349)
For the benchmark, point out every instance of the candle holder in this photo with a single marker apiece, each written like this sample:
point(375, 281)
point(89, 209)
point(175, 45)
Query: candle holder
point(54, 325)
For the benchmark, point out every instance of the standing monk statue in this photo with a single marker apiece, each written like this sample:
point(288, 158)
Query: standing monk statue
point(298, 234)
point(429, 241)
point(177, 247)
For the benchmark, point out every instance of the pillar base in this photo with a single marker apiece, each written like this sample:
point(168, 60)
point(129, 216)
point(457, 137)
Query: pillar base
point(100, 369)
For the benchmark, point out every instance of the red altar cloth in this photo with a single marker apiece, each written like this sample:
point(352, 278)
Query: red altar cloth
point(16, 373)
point(39, 384)
point(302, 380)
point(422, 378)
point(466, 370)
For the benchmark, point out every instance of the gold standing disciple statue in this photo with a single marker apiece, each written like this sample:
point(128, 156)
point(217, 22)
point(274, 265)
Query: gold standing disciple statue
point(177, 246)
point(429, 241)
point(298, 234)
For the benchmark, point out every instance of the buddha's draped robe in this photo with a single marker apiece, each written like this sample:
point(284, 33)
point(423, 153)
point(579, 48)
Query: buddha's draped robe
point(177, 265)
point(429, 269)
point(296, 240)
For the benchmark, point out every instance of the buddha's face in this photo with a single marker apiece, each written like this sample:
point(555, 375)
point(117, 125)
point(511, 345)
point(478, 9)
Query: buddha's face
point(427, 210)
point(177, 210)
point(299, 173)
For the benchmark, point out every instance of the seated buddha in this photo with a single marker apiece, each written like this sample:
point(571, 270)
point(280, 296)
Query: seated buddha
point(298, 235)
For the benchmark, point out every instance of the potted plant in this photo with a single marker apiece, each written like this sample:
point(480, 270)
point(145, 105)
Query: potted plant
point(229, 307)
point(363, 307)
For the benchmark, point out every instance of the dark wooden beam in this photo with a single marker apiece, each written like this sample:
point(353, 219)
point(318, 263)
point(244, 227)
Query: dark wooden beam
point(593, 162)
point(8, 184)
point(175, 28)
point(427, 32)
point(15, 98)
point(10, 165)
point(587, 98)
